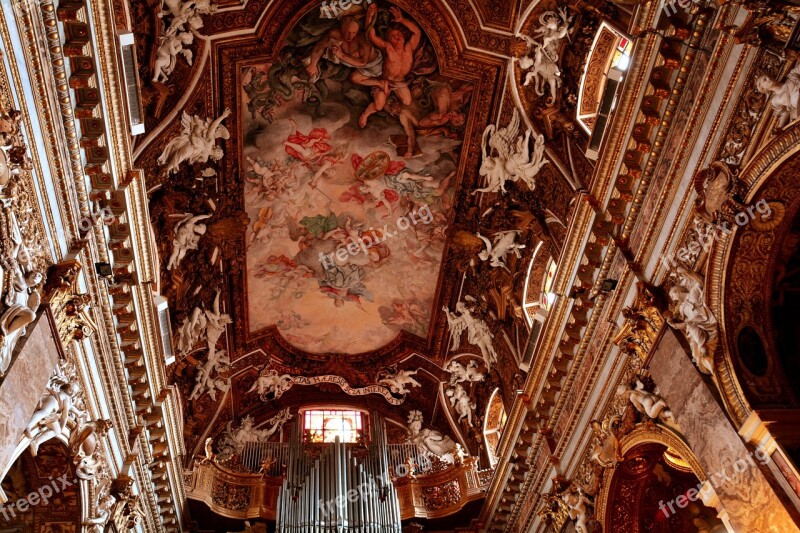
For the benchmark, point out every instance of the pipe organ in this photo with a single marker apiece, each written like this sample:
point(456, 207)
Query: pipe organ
point(338, 487)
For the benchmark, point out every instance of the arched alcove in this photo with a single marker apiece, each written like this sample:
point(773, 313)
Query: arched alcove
point(43, 491)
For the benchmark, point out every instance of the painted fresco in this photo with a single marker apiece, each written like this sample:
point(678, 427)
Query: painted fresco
point(352, 139)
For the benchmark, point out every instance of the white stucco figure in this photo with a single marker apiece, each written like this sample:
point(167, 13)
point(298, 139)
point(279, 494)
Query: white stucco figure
point(461, 402)
point(170, 47)
point(196, 143)
point(397, 382)
point(270, 383)
point(187, 237)
point(459, 373)
point(57, 409)
point(202, 325)
point(185, 13)
point(649, 404)
point(478, 332)
point(503, 243)
point(784, 97)
point(578, 504)
point(207, 379)
point(690, 314)
point(234, 440)
point(514, 160)
point(543, 69)
point(429, 440)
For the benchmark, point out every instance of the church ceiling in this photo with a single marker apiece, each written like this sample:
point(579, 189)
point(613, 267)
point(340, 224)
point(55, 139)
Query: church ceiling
point(297, 162)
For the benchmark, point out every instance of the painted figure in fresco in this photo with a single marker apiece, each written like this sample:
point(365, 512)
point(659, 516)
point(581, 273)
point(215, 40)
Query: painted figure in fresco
point(344, 45)
point(397, 62)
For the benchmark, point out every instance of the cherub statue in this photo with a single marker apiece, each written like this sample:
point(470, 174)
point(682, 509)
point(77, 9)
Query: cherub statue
point(185, 12)
point(196, 143)
point(397, 382)
point(269, 382)
point(478, 332)
point(459, 373)
point(784, 97)
point(171, 45)
point(429, 440)
point(577, 504)
point(496, 251)
point(188, 231)
point(649, 404)
point(461, 402)
point(607, 450)
point(690, 314)
point(207, 379)
point(57, 408)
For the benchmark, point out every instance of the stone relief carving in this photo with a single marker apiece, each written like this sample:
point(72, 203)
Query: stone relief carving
point(478, 332)
point(784, 97)
point(459, 373)
point(429, 440)
point(503, 243)
point(461, 402)
point(514, 160)
point(543, 68)
point(689, 313)
point(397, 382)
point(649, 404)
point(234, 440)
point(717, 191)
point(196, 143)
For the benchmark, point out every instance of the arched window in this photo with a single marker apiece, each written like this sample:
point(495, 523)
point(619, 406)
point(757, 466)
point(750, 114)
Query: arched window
point(605, 69)
point(323, 425)
point(494, 423)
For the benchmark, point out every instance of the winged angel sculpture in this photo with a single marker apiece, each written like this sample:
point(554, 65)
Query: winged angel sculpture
point(503, 243)
point(514, 160)
point(197, 142)
point(477, 332)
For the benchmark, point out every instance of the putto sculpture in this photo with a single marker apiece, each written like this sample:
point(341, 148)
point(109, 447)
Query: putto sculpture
point(397, 382)
point(543, 68)
point(270, 383)
point(188, 231)
point(649, 404)
point(461, 402)
point(459, 373)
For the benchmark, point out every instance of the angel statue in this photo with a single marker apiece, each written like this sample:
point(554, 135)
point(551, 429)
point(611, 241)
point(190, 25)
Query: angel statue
point(689, 313)
point(502, 244)
point(461, 402)
point(188, 231)
point(429, 440)
point(784, 97)
point(397, 382)
point(649, 404)
point(459, 373)
point(170, 47)
point(478, 333)
point(514, 160)
point(543, 66)
point(208, 379)
point(234, 440)
point(57, 408)
point(270, 383)
point(607, 451)
point(577, 504)
point(197, 142)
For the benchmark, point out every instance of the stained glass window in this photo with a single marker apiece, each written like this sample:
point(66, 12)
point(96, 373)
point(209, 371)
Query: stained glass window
point(325, 425)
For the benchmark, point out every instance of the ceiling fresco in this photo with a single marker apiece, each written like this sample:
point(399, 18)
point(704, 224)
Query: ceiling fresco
point(348, 205)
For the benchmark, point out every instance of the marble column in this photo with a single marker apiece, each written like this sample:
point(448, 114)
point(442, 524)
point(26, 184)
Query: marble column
point(35, 356)
point(734, 471)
